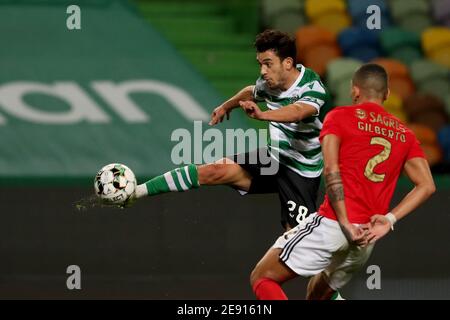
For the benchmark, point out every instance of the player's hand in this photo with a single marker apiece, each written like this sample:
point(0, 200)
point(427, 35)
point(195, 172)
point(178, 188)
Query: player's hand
point(379, 227)
point(218, 115)
point(355, 235)
point(252, 109)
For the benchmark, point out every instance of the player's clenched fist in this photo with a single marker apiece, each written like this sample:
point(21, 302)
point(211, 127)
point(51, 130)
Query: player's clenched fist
point(218, 114)
point(252, 109)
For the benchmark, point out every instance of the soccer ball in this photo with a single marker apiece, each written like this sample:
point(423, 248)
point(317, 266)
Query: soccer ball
point(115, 183)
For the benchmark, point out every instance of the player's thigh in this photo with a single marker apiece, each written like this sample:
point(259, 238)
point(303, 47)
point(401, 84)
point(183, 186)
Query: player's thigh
point(345, 264)
point(308, 248)
point(270, 266)
point(298, 196)
point(224, 171)
point(318, 288)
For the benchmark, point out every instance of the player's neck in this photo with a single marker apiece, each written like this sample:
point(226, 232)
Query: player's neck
point(369, 100)
point(290, 80)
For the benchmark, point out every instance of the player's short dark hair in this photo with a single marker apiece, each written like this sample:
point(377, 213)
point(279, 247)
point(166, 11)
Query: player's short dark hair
point(372, 79)
point(281, 43)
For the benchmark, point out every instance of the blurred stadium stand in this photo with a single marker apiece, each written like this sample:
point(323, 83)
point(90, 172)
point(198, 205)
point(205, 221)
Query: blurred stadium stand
point(413, 45)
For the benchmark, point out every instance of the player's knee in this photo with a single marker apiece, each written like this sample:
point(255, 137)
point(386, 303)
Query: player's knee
point(258, 274)
point(318, 288)
point(254, 276)
point(213, 173)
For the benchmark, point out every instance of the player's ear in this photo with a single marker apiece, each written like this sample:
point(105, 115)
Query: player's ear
point(355, 93)
point(388, 93)
point(288, 63)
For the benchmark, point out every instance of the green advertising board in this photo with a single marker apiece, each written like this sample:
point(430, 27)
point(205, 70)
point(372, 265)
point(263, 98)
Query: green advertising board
point(72, 101)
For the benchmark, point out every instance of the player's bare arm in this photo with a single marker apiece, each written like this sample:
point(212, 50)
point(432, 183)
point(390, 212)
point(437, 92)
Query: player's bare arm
point(418, 171)
point(219, 113)
point(335, 189)
point(290, 113)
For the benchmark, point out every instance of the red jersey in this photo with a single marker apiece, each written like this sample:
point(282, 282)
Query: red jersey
point(374, 148)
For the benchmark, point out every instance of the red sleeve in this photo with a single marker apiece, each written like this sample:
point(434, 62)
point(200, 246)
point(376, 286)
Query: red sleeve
point(415, 151)
point(332, 125)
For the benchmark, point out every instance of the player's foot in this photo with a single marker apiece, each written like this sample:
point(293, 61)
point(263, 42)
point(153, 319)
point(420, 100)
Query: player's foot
point(337, 296)
point(140, 191)
point(129, 202)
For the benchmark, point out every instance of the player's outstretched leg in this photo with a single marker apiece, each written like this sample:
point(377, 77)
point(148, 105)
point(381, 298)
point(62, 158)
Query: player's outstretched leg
point(224, 171)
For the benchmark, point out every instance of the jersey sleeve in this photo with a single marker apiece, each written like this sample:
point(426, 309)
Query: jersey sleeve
point(332, 125)
point(415, 151)
point(315, 95)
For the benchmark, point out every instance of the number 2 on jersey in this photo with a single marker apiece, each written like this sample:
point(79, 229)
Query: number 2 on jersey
point(377, 159)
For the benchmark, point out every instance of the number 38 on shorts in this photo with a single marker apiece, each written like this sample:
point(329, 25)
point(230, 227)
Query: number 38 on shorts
point(301, 212)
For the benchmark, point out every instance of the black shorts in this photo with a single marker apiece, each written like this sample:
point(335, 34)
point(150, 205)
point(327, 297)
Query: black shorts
point(298, 194)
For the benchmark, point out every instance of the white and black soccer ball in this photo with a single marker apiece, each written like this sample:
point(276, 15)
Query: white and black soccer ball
point(115, 183)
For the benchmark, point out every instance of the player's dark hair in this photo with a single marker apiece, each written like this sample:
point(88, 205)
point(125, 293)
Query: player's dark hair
point(281, 43)
point(372, 79)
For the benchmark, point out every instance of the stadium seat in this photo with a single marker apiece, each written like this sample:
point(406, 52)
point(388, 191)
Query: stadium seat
point(420, 103)
point(340, 71)
point(364, 54)
point(270, 8)
point(432, 119)
point(319, 56)
point(435, 86)
point(433, 153)
point(442, 56)
point(444, 141)
point(358, 12)
point(447, 103)
point(400, 81)
point(429, 142)
point(401, 44)
point(330, 14)
point(430, 77)
point(416, 23)
point(402, 86)
point(393, 105)
point(401, 9)
point(426, 109)
point(423, 133)
point(288, 21)
point(315, 9)
point(359, 43)
point(335, 22)
point(435, 38)
point(406, 55)
point(436, 44)
point(441, 10)
point(343, 99)
point(284, 15)
point(310, 36)
point(412, 15)
point(394, 37)
point(393, 67)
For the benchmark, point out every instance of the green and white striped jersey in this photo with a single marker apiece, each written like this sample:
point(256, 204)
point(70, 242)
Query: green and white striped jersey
point(296, 145)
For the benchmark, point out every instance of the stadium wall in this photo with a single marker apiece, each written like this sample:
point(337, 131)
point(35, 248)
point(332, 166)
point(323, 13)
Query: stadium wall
point(196, 245)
